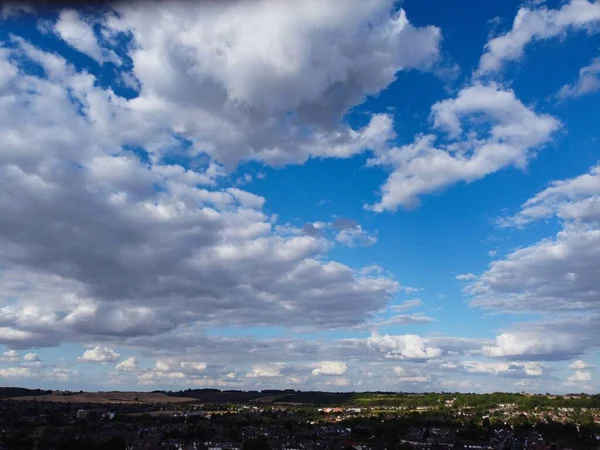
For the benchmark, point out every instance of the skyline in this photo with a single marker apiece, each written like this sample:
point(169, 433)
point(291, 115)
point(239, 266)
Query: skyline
point(317, 195)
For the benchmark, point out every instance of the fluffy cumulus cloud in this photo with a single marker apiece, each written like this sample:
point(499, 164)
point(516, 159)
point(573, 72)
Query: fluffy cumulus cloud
point(16, 372)
point(404, 347)
point(161, 373)
point(215, 351)
point(249, 362)
point(330, 368)
point(580, 365)
point(117, 240)
point(470, 151)
point(127, 233)
point(580, 377)
point(31, 357)
point(268, 80)
point(177, 372)
point(534, 344)
point(536, 24)
point(554, 274)
point(99, 354)
point(35, 370)
point(127, 364)
point(214, 252)
point(265, 371)
point(557, 275)
point(10, 356)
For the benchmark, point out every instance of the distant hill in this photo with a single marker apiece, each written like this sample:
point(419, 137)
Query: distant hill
point(6, 392)
point(188, 395)
point(317, 398)
point(267, 395)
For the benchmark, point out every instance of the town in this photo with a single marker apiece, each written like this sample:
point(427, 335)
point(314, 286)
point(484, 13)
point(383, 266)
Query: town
point(208, 419)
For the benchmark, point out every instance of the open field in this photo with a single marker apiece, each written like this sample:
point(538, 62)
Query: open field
point(107, 397)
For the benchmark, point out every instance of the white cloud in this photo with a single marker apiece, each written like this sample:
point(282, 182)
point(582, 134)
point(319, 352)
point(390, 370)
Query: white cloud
point(401, 319)
point(21, 339)
point(422, 167)
point(554, 274)
point(176, 372)
point(407, 346)
point(461, 385)
point(16, 372)
point(31, 357)
point(224, 261)
point(170, 364)
point(466, 277)
point(12, 8)
point(448, 365)
point(99, 354)
point(535, 25)
point(560, 274)
point(193, 366)
point(178, 379)
point(247, 199)
point(127, 364)
point(230, 72)
point(574, 199)
point(580, 365)
point(345, 231)
point(80, 35)
point(171, 248)
point(10, 356)
point(532, 369)
point(587, 83)
point(329, 368)
point(7, 71)
point(159, 376)
point(407, 304)
point(337, 381)
point(265, 371)
point(162, 366)
point(355, 237)
point(62, 374)
point(557, 275)
point(295, 380)
point(100, 247)
point(410, 376)
point(532, 344)
point(411, 289)
point(580, 377)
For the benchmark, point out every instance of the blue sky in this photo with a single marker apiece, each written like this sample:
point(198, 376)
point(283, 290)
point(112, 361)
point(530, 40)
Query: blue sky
point(376, 196)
